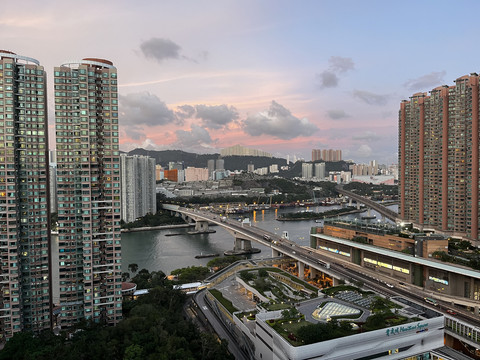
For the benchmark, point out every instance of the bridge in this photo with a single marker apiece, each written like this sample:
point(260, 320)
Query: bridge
point(384, 211)
point(464, 326)
point(245, 234)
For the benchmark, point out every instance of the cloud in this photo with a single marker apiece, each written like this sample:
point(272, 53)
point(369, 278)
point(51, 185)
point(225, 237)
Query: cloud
point(431, 80)
point(337, 65)
point(364, 151)
point(368, 136)
point(337, 114)
point(160, 49)
point(327, 79)
point(197, 136)
point(216, 116)
point(371, 98)
point(133, 132)
point(341, 64)
point(145, 108)
point(184, 112)
point(278, 122)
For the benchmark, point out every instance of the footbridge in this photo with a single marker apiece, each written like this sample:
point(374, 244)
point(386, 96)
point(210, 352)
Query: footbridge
point(384, 211)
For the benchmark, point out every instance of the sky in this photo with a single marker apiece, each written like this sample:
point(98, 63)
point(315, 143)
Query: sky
point(281, 76)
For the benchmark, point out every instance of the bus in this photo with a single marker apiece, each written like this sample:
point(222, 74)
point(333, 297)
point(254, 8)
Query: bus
point(431, 301)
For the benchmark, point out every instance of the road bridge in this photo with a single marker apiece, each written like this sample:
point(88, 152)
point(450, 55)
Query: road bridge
point(319, 261)
point(384, 211)
point(246, 233)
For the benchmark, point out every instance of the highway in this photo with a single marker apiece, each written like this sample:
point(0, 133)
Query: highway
point(336, 268)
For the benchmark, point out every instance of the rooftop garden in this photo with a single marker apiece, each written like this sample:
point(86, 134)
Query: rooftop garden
point(317, 215)
point(279, 287)
point(331, 315)
point(460, 252)
point(225, 302)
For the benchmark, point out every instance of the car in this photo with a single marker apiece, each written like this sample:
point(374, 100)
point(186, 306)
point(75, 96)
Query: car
point(451, 312)
point(389, 285)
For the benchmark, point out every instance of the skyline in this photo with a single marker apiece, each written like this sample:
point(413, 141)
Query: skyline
point(277, 76)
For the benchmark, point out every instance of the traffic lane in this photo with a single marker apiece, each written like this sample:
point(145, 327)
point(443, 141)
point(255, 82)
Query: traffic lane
point(219, 327)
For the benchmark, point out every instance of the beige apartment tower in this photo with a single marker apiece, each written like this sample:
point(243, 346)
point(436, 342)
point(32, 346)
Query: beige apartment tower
point(439, 159)
point(25, 267)
point(88, 180)
point(326, 155)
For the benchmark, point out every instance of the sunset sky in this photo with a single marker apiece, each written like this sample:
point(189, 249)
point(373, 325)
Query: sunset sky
point(280, 76)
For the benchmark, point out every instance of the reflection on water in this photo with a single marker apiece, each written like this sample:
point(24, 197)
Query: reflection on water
point(154, 251)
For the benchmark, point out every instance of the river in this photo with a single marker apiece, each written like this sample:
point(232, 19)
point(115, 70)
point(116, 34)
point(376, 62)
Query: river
point(154, 251)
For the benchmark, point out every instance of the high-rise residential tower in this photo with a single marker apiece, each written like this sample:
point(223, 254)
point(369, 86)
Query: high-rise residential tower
point(326, 155)
point(307, 170)
point(88, 182)
point(25, 267)
point(439, 159)
point(138, 186)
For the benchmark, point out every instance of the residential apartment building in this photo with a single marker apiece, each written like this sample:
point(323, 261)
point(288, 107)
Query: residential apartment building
point(307, 170)
point(25, 266)
point(88, 180)
point(320, 170)
point(158, 172)
point(238, 150)
point(138, 185)
point(326, 155)
point(211, 168)
point(439, 159)
point(196, 174)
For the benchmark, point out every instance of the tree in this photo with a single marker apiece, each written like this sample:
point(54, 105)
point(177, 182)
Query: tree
point(246, 275)
point(291, 313)
point(191, 274)
point(262, 273)
point(133, 352)
point(133, 268)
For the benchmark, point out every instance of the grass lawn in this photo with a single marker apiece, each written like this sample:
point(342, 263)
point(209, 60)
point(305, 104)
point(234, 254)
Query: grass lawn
point(333, 290)
point(285, 328)
point(294, 278)
point(278, 306)
point(227, 303)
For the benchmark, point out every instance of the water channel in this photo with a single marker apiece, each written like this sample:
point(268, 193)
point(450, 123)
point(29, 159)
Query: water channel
point(153, 250)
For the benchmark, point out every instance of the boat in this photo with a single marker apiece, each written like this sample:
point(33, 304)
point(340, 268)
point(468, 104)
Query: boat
point(201, 256)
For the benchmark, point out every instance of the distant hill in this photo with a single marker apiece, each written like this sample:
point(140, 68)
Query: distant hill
point(200, 160)
point(232, 162)
point(165, 156)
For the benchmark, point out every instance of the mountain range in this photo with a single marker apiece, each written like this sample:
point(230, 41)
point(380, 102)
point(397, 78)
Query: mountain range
point(231, 163)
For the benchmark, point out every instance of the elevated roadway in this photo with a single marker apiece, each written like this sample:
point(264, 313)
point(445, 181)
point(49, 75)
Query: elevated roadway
point(384, 211)
point(340, 270)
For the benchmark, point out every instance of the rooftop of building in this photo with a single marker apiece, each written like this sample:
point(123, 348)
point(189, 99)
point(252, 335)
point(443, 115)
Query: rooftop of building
point(457, 269)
